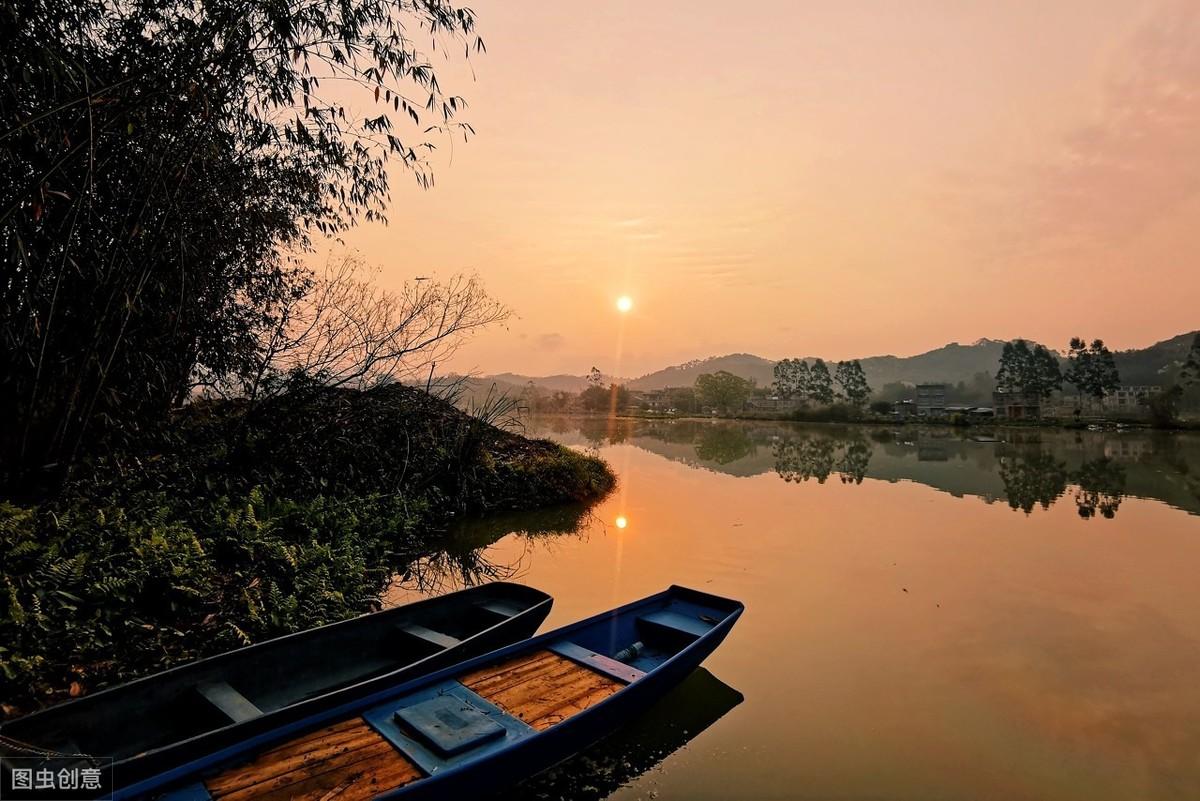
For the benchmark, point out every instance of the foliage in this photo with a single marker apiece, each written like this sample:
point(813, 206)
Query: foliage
point(852, 383)
point(242, 525)
point(1092, 369)
point(1032, 370)
point(792, 378)
point(1164, 406)
point(159, 161)
point(723, 390)
point(599, 398)
point(820, 385)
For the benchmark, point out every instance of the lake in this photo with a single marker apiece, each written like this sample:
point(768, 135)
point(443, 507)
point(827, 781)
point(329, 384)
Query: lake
point(931, 613)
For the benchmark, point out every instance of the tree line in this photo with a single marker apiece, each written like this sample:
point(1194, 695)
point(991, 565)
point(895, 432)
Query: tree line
point(795, 378)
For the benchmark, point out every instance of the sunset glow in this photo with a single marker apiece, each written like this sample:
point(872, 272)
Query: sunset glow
point(896, 177)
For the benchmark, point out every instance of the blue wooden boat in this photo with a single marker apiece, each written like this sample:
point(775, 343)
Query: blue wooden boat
point(150, 726)
point(673, 721)
point(474, 727)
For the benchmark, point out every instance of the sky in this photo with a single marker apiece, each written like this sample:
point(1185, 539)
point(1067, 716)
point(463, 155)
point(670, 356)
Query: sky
point(836, 179)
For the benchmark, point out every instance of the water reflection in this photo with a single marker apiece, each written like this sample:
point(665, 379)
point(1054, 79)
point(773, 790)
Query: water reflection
point(846, 453)
point(1027, 469)
point(679, 716)
point(463, 558)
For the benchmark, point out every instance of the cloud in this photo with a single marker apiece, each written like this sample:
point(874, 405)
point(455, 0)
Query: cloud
point(551, 341)
point(1109, 179)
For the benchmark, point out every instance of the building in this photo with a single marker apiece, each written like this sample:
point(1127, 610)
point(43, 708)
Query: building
point(772, 403)
point(931, 400)
point(1017, 404)
point(1128, 399)
point(904, 409)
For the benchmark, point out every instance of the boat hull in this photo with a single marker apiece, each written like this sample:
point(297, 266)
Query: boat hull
point(117, 709)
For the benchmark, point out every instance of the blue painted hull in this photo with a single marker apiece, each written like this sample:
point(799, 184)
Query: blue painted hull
point(489, 768)
point(146, 708)
point(544, 750)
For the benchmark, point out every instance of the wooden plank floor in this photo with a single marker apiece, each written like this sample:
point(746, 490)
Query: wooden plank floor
point(541, 688)
point(347, 761)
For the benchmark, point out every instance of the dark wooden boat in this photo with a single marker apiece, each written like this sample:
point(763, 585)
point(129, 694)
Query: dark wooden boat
point(171, 718)
point(477, 726)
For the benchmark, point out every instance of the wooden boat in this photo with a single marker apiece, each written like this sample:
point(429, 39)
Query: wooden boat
point(171, 718)
point(685, 712)
point(476, 726)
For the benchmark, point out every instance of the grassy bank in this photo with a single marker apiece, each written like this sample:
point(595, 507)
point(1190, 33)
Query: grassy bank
point(236, 524)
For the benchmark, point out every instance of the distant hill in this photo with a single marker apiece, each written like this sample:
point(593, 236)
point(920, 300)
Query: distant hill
point(950, 364)
point(684, 375)
point(1155, 364)
point(554, 383)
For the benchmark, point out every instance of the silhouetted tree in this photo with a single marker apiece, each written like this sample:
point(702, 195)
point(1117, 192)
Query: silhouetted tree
point(1092, 370)
point(723, 390)
point(853, 382)
point(1034, 370)
point(820, 385)
point(158, 160)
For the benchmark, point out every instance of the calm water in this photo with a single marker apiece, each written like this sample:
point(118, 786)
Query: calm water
point(929, 616)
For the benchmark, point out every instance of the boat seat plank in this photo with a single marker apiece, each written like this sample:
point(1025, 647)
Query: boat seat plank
point(347, 761)
point(502, 608)
point(429, 635)
point(541, 688)
point(237, 707)
point(676, 622)
point(598, 662)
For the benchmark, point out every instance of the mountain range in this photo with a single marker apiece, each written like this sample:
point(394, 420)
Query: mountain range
point(950, 364)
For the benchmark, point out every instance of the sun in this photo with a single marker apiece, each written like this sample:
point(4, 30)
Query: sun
point(624, 304)
point(622, 522)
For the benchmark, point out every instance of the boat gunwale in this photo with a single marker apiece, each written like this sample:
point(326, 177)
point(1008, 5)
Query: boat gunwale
point(80, 705)
point(164, 780)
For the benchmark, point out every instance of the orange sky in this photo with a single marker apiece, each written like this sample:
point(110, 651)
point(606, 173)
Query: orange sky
point(815, 178)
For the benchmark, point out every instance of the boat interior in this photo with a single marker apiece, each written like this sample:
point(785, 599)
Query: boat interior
point(462, 714)
point(240, 686)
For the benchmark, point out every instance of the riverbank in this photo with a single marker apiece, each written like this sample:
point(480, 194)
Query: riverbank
point(237, 524)
point(867, 418)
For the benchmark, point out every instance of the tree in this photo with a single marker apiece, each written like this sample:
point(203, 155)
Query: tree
point(853, 382)
point(723, 390)
point(792, 378)
point(599, 398)
point(159, 161)
point(785, 377)
point(682, 399)
point(345, 331)
point(1030, 370)
point(803, 380)
point(1164, 407)
point(1014, 359)
point(1045, 373)
point(1092, 369)
point(820, 385)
